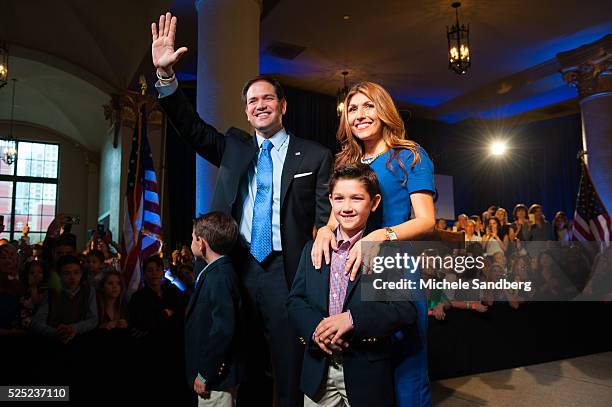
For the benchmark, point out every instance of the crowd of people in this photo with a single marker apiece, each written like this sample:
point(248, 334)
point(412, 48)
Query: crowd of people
point(524, 249)
point(52, 289)
point(297, 299)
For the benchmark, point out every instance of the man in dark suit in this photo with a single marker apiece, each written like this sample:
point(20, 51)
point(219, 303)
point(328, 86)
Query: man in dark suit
point(212, 316)
point(274, 185)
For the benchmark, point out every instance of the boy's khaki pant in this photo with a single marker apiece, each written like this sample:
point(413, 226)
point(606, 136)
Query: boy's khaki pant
point(335, 390)
point(219, 399)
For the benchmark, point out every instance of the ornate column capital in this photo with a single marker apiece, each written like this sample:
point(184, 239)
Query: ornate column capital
point(589, 68)
point(122, 108)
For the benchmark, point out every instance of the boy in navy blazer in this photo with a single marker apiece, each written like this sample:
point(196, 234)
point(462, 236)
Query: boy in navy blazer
point(347, 340)
point(212, 313)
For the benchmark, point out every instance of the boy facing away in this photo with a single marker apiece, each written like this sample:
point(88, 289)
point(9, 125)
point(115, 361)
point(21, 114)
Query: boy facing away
point(347, 356)
point(212, 313)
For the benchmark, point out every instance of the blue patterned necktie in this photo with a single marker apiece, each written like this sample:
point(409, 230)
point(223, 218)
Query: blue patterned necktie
point(261, 230)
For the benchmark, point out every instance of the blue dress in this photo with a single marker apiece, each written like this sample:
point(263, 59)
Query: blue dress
point(411, 373)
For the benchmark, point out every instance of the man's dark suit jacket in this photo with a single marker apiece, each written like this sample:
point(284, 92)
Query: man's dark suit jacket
point(304, 200)
point(368, 370)
point(212, 327)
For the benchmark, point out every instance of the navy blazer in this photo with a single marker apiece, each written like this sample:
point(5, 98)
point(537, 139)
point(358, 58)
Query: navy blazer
point(368, 371)
point(304, 200)
point(212, 328)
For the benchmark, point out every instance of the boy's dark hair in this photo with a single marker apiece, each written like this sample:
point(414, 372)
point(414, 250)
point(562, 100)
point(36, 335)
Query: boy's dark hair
point(357, 171)
point(65, 261)
point(278, 89)
point(475, 218)
point(96, 253)
point(153, 259)
point(67, 239)
point(218, 229)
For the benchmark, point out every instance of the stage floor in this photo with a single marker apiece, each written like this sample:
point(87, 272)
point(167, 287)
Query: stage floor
point(583, 382)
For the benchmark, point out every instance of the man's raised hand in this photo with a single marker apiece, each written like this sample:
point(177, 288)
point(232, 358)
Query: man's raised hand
point(162, 49)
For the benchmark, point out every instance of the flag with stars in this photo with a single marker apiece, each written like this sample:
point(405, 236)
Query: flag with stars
point(591, 219)
point(142, 221)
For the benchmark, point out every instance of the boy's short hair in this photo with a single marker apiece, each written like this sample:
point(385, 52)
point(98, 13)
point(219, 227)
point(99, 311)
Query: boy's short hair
point(153, 259)
point(218, 229)
point(96, 253)
point(357, 171)
point(65, 261)
point(67, 239)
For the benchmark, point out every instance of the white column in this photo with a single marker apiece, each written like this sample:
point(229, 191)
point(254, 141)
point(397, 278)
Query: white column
point(228, 56)
point(589, 68)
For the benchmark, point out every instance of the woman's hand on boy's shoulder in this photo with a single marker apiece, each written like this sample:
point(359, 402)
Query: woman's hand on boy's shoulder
point(322, 247)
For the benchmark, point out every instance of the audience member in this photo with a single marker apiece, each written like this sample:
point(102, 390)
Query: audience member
point(10, 288)
point(562, 230)
point(470, 232)
point(502, 217)
point(72, 311)
point(479, 230)
point(541, 230)
point(441, 224)
point(521, 221)
point(461, 223)
point(159, 305)
point(491, 241)
point(34, 278)
point(112, 312)
point(94, 267)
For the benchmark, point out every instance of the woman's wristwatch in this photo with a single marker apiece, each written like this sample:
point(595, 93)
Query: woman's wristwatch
point(390, 234)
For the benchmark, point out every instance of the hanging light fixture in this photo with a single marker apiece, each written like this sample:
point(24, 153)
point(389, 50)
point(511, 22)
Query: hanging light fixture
point(458, 44)
point(342, 95)
point(8, 145)
point(3, 63)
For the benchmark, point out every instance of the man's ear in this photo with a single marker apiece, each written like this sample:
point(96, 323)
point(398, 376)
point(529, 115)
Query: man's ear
point(202, 245)
point(283, 106)
point(375, 202)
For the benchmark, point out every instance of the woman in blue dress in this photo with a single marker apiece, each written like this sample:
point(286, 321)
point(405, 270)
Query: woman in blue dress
point(371, 131)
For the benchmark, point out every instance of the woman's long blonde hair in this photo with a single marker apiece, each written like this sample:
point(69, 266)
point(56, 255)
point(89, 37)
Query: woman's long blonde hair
point(394, 133)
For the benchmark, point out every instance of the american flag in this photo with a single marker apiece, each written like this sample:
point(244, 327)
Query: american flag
point(591, 219)
point(142, 221)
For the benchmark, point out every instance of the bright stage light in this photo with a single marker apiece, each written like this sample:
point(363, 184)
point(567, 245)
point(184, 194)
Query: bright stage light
point(498, 148)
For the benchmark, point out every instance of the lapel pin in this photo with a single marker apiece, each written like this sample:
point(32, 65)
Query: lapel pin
point(298, 153)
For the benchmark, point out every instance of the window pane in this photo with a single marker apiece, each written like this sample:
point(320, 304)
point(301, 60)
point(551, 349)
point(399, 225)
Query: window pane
point(22, 206)
point(20, 222)
point(51, 152)
point(44, 223)
point(6, 192)
point(4, 168)
point(48, 208)
point(50, 169)
point(37, 160)
point(23, 190)
point(34, 203)
point(34, 237)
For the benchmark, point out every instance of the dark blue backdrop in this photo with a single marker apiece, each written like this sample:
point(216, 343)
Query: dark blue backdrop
point(540, 166)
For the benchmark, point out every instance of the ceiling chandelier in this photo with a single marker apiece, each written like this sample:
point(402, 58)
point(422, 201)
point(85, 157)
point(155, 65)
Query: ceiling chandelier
point(342, 95)
point(3, 63)
point(458, 36)
point(8, 145)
